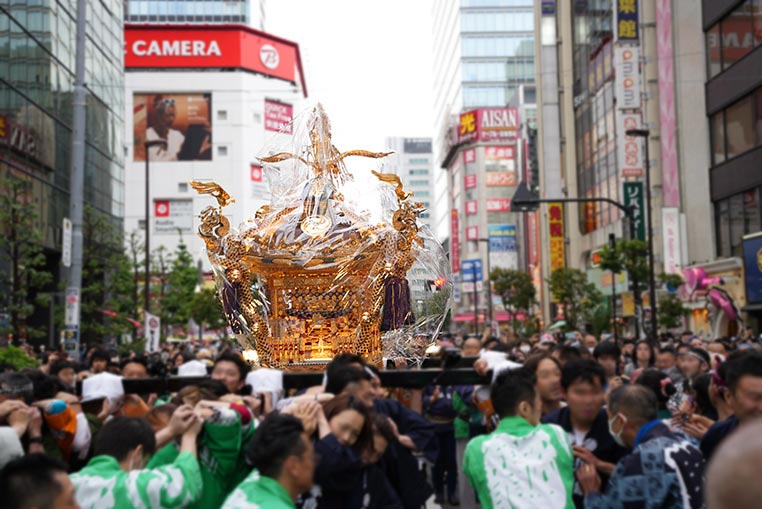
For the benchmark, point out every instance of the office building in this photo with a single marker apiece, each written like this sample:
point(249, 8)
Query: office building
point(484, 52)
point(215, 95)
point(37, 65)
point(245, 12)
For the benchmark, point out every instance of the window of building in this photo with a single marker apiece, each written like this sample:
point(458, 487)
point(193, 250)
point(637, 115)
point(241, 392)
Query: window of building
point(497, 21)
point(718, 138)
point(222, 115)
point(182, 187)
point(419, 172)
point(739, 126)
point(222, 150)
point(735, 210)
point(418, 161)
point(751, 204)
point(737, 35)
point(714, 51)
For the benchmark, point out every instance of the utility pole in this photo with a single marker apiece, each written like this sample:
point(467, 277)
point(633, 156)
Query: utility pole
point(147, 289)
point(77, 177)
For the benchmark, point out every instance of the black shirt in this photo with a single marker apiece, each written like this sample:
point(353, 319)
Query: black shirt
point(598, 441)
point(716, 434)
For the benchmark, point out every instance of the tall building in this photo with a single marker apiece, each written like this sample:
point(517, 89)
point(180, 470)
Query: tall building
point(413, 162)
point(484, 52)
point(245, 12)
point(608, 67)
point(733, 51)
point(37, 63)
point(213, 94)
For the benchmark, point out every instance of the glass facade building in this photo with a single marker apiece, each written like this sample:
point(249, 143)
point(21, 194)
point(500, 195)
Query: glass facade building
point(186, 11)
point(37, 60)
point(497, 50)
point(594, 107)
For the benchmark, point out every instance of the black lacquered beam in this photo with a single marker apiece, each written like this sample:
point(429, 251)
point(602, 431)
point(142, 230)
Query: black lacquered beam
point(409, 379)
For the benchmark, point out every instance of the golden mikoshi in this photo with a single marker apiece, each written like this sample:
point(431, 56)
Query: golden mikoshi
point(312, 277)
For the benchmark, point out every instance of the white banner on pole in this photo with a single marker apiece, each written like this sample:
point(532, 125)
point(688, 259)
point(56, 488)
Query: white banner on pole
point(66, 247)
point(152, 332)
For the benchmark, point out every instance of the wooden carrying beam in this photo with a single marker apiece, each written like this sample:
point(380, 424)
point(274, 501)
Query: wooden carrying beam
point(410, 379)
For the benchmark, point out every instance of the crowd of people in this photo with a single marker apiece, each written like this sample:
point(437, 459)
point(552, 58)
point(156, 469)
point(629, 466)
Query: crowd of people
point(558, 422)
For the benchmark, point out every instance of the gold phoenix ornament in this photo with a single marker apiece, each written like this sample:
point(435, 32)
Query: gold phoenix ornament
point(311, 277)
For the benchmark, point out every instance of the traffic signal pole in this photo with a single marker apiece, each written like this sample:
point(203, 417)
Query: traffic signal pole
point(524, 201)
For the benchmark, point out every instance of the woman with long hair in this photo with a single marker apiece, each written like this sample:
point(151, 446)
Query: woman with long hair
point(344, 431)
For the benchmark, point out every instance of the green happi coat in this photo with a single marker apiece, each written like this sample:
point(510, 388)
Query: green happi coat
point(259, 492)
point(221, 456)
point(521, 466)
point(102, 484)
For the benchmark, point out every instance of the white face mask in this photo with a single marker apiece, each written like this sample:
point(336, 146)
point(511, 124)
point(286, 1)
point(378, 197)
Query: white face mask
point(617, 436)
point(525, 348)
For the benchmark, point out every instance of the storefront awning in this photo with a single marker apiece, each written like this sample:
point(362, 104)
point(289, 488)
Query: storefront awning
point(500, 316)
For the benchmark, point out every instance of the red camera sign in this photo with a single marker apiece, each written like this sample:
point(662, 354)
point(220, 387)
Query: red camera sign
point(209, 46)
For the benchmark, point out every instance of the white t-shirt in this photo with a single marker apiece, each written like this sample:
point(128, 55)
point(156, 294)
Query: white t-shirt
point(174, 141)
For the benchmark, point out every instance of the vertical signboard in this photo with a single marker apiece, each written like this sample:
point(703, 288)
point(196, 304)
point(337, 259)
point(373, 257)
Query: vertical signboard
point(633, 198)
point(557, 244)
point(630, 152)
point(626, 19)
point(455, 241)
point(469, 181)
point(472, 207)
point(670, 225)
point(626, 63)
point(667, 120)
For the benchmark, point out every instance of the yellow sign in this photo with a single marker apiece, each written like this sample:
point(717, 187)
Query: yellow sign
point(556, 236)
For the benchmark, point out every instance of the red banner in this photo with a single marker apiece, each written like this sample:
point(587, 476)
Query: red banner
point(471, 207)
point(161, 208)
point(498, 204)
point(489, 124)
point(501, 179)
point(470, 181)
point(256, 173)
point(278, 115)
point(455, 237)
point(225, 46)
point(556, 234)
point(472, 233)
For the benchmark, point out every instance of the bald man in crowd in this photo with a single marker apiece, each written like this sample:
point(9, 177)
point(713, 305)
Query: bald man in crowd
point(732, 480)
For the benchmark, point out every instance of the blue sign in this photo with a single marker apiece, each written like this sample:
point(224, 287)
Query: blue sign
point(468, 268)
point(752, 261)
point(627, 20)
point(502, 237)
point(548, 7)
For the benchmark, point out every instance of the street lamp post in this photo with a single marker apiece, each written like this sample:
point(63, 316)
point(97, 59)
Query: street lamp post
point(644, 133)
point(489, 283)
point(147, 293)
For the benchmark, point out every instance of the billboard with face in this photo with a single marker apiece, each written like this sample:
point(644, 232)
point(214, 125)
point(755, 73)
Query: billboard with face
point(182, 121)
